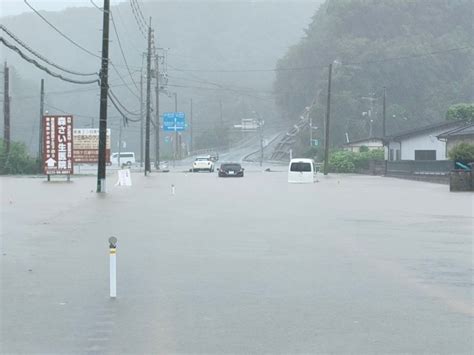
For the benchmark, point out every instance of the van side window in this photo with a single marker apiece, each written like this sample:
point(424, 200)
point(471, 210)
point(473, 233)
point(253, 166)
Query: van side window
point(300, 167)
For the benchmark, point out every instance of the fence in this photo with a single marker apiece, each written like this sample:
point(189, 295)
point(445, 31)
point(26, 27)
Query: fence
point(426, 170)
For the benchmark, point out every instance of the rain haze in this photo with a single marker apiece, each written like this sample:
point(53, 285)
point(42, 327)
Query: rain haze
point(236, 177)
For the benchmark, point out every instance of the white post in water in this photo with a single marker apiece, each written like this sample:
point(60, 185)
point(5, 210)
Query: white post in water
point(113, 266)
point(172, 190)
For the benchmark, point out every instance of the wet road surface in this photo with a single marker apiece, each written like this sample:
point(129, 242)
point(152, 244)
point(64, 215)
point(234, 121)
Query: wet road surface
point(350, 264)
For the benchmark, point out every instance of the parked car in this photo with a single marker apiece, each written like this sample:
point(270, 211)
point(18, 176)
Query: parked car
point(231, 169)
point(126, 158)
point(203, 163)
point(302, 171)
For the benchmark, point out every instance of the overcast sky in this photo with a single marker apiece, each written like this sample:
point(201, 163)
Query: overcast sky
point(15, 7)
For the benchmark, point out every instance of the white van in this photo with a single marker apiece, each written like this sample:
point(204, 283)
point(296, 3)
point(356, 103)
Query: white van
point(126, 158)
point(302, 171)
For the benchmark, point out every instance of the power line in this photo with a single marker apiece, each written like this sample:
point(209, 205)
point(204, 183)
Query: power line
point(121, 50)
point(141, 26)
point(139, 11)
point(29, 49)
point(217, 89)
point(60, 32)
point(121, 105)
point(43, 68)
point(311, 67)
point(125, 117)
point(125, 83)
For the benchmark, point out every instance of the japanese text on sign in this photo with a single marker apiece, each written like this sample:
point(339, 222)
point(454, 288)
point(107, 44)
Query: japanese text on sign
point(58, 145)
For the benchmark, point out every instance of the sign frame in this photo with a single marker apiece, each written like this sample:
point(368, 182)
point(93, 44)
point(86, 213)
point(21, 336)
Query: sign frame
point(58, 145)
point(174, 121)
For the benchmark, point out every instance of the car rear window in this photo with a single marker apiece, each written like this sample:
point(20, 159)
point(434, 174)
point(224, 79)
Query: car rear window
point(300, 166)
point(231, 166)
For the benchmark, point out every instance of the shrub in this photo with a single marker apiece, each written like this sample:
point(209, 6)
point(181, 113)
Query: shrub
point(348, 162)
point(342, 162)
point(463, 152)
point(17, 161)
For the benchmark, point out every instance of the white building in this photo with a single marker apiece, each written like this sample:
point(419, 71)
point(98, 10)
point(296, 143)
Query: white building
point(370, 143)
point(420, 144)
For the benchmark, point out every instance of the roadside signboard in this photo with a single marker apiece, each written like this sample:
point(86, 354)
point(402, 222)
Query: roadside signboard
point(58, 158)
point(249, 124)
point(86, 146)
point(174, 121)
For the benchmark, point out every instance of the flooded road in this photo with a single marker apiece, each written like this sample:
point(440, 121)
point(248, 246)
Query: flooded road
point(350, 264)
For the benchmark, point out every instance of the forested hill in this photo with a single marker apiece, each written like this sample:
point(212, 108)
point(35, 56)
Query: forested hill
point(421, 51)
point(216, 39)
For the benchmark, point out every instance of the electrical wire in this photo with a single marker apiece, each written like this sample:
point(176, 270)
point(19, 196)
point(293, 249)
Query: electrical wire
point(125, 117)
point(29, 49)
point(111, 94)
point(140, 13)
point(78, 45)
point(139, 24)
point(60, 32)
point(121, 50)
point(324, 66)
point(43, 68)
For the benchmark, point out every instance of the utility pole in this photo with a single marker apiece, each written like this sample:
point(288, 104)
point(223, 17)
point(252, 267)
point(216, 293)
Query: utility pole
point(104, 88)
point(6, 109)
point(221, 122)
point(176, 143)
point(328, 116)
point(141, 119)
point(384, 113)
point(311, 131)
point(260, 129)
point(40, 138)
point(157, 115)
point(148, 103)
point(191, 126)
point(120, 144)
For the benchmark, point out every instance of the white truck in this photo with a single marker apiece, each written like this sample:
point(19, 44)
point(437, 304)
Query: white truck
point(203, 163)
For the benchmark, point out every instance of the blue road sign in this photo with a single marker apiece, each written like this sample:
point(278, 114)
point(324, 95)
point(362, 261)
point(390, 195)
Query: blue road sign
point(174, 121)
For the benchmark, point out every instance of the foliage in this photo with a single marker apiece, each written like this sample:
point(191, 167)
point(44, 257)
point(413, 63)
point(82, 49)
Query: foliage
point(363, 149)
point(343, 161)
point(463, 152)
point(461, 112)
point(17, 161)
point(420, 87)
point(311, 153)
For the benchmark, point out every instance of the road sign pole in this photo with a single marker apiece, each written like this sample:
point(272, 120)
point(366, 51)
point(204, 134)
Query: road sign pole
point(113, 266)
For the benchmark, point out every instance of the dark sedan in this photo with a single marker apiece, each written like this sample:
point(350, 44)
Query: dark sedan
point(231, 169)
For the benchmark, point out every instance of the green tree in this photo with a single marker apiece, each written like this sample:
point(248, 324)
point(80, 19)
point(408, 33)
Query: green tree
point(17, 161)
point(461, 112)
point(359, 34)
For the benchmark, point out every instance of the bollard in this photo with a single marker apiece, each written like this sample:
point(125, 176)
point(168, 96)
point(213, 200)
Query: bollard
point(113, 266)
point(172, 189)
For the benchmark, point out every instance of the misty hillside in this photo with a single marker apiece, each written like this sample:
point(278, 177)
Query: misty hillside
point(421, 51)
point(202, 36)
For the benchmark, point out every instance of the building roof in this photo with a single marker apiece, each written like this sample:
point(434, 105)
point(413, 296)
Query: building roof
point(448, 125)
point(467, 130)
point(357, 141)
